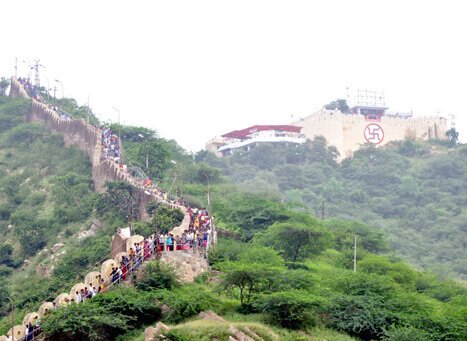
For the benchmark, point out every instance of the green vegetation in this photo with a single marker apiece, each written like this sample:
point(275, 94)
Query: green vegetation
point(278, 271)
point(46, 197)
point(414, 191)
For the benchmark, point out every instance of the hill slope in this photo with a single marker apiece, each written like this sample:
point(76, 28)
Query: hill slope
point(415, 191)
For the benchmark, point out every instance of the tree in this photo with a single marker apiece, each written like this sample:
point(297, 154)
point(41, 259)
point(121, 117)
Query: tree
point(120, 197)
point(153, 156)
point(244, 277)
point(4, 84)
point(6, 252)
point(321, 152)
point(296, 240)
point(338, 104)
point(453, 136)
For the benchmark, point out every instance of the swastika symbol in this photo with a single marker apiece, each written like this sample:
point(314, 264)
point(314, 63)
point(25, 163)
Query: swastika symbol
point(374, 133)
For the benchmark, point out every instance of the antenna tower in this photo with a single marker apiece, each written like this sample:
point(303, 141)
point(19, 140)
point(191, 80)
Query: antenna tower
point(36, 66)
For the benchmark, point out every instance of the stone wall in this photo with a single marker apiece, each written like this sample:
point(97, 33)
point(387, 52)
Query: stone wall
point(347, 132)
point(86, 137)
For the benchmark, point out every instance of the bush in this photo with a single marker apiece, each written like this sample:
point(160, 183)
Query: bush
point(141, 307)
point(406, 333)
point(289, 309)
point(187, 301)
point(157, 276)
point(84, 321)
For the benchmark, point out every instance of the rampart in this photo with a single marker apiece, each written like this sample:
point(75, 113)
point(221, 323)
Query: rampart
point(86, 137)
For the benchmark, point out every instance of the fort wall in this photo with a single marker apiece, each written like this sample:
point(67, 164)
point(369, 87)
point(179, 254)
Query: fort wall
point(347, 132)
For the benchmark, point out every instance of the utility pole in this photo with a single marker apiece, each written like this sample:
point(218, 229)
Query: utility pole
point(12, 319)
point(37, 79)
point(61, 85)
point(87, 111)
point(322, 208)
point(16, 67)
point(209, 194)
point(155, 219)
point(355, 254)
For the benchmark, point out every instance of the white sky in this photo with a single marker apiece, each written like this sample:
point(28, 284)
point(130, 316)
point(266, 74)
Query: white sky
point(196, 69)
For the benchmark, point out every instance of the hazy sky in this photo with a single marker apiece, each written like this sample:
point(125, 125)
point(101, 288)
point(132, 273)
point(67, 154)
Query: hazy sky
point(196, 69)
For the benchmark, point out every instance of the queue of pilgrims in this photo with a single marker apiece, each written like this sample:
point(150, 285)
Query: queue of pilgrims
point(196, 239)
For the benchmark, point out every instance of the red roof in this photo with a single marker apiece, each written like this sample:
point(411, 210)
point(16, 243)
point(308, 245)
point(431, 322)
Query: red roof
point(243, 134)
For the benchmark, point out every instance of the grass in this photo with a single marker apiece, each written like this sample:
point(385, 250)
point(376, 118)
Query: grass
point(206, 330)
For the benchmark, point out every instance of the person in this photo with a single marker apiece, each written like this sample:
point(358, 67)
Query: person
point(119, 274)
point(102, 286)
point(29, 332)
point(124, 267)
point(169, 242)
point(146, 253)
point(114, 275)
point(77, 297)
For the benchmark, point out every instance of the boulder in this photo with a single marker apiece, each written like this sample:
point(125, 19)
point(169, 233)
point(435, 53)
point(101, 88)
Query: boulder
point(57, 247)
point(149, 333)
point(152, 333)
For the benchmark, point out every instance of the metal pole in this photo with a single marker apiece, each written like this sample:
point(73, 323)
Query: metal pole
point(119, 129)
point(322, 208)
point(355, 254)
point(12, 319)
point(209, 194)
point(87, 112)
point(61, 86)
point(168, 192)
point(155, 220)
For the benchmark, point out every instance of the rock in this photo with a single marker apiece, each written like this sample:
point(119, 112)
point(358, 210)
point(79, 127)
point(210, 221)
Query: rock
point(152, 333)
point(97, 223)
point(57, 247)
point(251, 333)
point(161, 327)
point(165, 310)
point(149, 333)
point(210, 315)
point(239, 335)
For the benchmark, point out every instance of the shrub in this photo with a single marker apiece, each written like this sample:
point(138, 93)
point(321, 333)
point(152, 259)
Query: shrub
point(406, 333)
point(289, 309)
point(85, 321)
point(157, 276)
point(187, 301)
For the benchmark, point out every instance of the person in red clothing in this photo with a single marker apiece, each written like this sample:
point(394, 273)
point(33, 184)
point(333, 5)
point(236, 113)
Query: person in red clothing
point(123, 267)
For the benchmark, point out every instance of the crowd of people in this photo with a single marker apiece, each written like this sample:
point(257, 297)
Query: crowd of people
point(30, 89)
point(110, 145)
